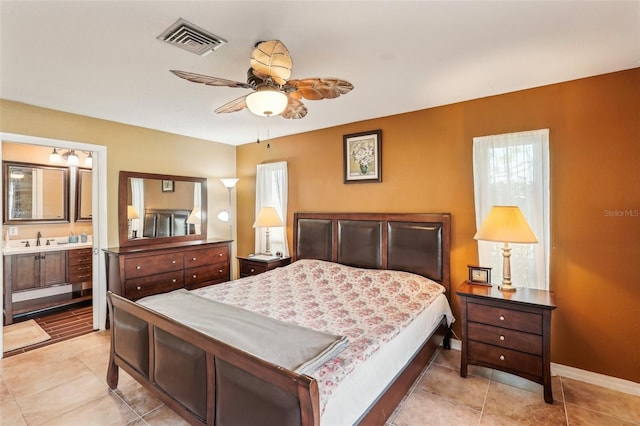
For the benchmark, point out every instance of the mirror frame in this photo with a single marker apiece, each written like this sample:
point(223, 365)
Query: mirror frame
point(5, 210)
point(123, 185)
point(78, 215)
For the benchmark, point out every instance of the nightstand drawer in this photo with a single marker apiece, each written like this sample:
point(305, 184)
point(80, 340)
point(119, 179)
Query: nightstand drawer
point(252, 268)
point(505, 359)
point(511, 339)
point(505, 318)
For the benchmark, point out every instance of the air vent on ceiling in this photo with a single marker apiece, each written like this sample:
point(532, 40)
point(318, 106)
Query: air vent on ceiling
point(190, 37)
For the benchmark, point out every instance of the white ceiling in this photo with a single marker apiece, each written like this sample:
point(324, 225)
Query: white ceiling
point(102, 58)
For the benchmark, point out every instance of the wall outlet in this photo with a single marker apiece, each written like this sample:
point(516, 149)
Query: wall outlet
point(13, 231)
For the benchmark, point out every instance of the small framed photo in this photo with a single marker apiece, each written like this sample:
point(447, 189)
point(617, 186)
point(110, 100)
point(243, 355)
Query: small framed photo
point(168, 186)
point(362, 157)
point(479, 275)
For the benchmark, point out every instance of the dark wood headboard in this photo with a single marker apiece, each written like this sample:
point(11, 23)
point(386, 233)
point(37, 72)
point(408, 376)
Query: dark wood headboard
point(411, 242)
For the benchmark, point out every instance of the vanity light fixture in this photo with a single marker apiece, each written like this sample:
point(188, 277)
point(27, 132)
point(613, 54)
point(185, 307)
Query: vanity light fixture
point(70, 158)
point(55, 157)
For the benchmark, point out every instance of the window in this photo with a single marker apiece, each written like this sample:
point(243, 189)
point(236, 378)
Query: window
point(513, 169)
point(271, 190)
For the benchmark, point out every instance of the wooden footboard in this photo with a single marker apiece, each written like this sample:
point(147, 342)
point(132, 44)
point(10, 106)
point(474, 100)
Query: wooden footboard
point(204, 380)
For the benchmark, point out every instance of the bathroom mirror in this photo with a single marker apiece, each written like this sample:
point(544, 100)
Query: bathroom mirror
point(155, 208)
point(35, 193)
point(84, 201)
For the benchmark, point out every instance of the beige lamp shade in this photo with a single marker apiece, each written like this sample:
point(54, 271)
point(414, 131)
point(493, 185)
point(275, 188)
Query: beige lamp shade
point(194, 216)
point(505, 224)
point(267, 217)
point(132, 213)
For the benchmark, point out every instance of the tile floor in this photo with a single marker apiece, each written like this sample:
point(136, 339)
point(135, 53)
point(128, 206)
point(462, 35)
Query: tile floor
point(64, 384)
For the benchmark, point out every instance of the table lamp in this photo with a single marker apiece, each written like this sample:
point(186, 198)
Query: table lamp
point(267, 217)
point(132, 213)
point(506, 224)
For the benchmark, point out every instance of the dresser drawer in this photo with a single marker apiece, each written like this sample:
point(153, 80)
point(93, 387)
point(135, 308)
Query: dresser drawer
point(505, 359)
point(505, 318)
point(79, 257)
point(206, 274)
point(160, 283)
point(506, 338)
point(204, 257)
point(149, 265)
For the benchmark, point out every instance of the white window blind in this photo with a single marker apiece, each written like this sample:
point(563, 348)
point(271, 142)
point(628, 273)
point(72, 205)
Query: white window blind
point(271, 190)
point(513, 169)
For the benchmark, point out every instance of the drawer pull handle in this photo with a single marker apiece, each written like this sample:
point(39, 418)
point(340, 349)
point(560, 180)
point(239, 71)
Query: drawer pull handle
point(220, 271)
point(174, 280)
point(173, 261)
point(501, 337)
point(501, 357)
point(138, 288)
point(138, 267)
point(253, 270)
point(220, 254)
point(194, 275)
point(194, 258)
point(501, 317)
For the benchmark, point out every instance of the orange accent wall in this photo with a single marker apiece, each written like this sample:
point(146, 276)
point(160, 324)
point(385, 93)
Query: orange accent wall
point(427, 167)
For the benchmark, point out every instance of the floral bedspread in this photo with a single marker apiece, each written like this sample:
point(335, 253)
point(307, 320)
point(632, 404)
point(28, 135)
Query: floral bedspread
point(368, 306)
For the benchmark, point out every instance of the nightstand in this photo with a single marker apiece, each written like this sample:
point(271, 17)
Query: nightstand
point(250, 266)
point(507, 331)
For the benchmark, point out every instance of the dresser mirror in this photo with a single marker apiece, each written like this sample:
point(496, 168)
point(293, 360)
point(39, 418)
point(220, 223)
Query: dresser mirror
point(155, 208)
point(83, 195)
point(35, 193)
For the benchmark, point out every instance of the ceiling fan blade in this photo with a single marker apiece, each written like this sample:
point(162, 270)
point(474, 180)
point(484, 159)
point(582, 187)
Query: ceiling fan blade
point(271, 59)
point(234, 106)
point(295, 109)
point(319, 88)
point(210, 81)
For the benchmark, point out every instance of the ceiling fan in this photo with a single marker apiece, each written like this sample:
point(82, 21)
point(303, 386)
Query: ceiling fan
point(274, 93)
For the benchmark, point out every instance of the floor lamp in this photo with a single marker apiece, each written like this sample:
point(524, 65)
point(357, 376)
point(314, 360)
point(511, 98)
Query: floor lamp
point(506, 224)
point(225, 215)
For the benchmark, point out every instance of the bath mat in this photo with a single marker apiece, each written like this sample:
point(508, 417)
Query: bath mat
point(19, 335)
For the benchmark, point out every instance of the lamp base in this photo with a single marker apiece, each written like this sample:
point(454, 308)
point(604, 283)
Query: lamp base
point(506, 287)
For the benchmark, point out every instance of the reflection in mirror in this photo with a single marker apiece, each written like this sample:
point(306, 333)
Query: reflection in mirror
point(161, 208)
point(35, 193)
point(84, 201)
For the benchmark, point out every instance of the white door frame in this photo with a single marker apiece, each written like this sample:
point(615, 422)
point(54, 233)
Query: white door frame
point(99, 222)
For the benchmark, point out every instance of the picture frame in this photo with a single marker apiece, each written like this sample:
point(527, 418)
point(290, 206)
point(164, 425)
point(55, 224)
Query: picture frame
point(479, 275)
point(362, 156)
point(168, 186)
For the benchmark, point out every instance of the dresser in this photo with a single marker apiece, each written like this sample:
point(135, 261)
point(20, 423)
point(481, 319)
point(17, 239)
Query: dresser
point(250, 266)
point(507, 331)
point(140, 271)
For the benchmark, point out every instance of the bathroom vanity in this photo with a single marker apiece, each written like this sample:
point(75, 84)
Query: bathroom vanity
point(41, 277)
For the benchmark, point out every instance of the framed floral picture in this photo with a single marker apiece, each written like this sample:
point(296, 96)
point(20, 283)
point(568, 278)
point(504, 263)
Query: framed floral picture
point(168, 186)
point(362, 157)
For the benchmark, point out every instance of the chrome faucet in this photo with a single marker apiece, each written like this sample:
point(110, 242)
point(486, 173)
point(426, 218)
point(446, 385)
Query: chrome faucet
point(38, 239)
point(26, 243)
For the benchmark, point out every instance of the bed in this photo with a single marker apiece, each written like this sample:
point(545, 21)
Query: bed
point(208, 381)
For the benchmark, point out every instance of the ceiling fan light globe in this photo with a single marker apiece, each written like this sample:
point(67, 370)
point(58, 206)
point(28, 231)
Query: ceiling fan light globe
point(267, 102)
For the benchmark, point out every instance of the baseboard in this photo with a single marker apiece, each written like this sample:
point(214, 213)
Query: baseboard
point(609, 382)
point(597, 379)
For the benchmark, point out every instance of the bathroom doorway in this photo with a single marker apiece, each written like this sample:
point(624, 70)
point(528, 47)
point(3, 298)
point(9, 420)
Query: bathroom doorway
point(98, 212)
